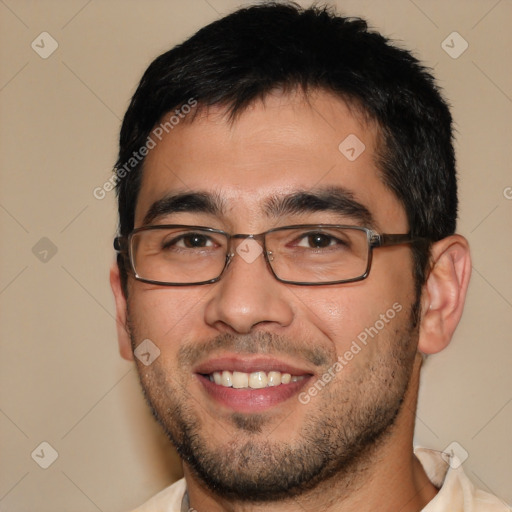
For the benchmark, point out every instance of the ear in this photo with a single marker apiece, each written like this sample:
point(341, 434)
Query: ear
point(444, 293)
point(123, 335)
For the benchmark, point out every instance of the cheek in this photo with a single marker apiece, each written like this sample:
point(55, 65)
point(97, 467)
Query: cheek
point(356, 314)
point(164, 315)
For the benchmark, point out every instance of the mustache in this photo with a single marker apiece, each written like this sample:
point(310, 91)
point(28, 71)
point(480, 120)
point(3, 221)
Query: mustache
point(256, 343)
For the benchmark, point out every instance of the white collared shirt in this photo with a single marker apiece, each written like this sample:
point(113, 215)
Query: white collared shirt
point(456, 491)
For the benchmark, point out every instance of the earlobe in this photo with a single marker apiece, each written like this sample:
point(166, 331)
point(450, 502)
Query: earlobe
point(123, 335)
point(444, 293)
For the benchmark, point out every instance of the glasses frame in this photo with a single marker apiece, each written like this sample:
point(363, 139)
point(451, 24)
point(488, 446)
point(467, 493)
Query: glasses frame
point(123, 245)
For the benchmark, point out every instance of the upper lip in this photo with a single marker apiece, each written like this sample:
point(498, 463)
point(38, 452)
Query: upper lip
point(248, 364)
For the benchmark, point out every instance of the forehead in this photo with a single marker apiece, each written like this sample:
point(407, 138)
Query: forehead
point(278, 146)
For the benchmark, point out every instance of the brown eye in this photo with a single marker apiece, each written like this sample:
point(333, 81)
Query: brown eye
point(195, 240)
point(318, 240)
point(189, 241)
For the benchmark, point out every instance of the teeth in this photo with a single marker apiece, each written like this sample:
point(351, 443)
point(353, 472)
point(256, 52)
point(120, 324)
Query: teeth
point(258, 380)
point(225, 379)
point(254, 380)
point(240, 380)
point(274, 378)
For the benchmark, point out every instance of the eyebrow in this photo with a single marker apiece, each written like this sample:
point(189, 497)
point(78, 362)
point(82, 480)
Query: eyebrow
point(321, 199)
point(338, 200)
point(190, 202)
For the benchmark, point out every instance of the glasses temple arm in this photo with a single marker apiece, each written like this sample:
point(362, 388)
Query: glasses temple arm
point(385, 240)
point(121, 244)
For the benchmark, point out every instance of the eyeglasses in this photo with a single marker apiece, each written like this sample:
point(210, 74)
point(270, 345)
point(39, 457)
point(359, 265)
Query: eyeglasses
point(307, 254)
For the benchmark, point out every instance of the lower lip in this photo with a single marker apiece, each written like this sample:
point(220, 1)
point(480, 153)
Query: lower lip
point(251, 400)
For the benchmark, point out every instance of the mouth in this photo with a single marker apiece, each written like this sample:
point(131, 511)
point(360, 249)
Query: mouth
point(253, 380)
point(250, 385)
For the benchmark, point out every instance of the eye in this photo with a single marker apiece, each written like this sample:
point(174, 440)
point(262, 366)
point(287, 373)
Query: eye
point(318, 240)
point(189, 241)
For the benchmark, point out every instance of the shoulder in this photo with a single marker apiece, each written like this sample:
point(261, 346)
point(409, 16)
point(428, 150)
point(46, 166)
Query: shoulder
point(456, 491)
point(167, 500)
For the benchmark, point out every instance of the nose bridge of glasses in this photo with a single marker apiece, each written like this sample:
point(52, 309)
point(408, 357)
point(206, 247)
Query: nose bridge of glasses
point(247, 246)
point(239, 238)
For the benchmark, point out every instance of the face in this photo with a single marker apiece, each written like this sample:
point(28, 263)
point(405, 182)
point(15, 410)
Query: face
point(348, 348)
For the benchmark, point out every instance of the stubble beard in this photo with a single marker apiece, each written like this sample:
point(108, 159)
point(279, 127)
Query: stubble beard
point(351, 418)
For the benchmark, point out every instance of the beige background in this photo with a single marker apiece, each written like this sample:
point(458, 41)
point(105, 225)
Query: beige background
point(61, 379)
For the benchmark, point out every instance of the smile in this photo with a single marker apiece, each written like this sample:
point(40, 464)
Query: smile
point(253, 380)
point(250, 384)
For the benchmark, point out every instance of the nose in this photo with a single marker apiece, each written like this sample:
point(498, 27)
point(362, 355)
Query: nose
point(247, 294)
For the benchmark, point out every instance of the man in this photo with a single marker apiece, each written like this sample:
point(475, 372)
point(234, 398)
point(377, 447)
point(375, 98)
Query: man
point(287, 254)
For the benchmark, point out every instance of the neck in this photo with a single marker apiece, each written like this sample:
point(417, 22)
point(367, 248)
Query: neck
point(389, 479)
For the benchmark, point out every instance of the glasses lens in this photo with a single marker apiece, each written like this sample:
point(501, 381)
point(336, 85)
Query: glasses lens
point(178, 255)
point(318, 254)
